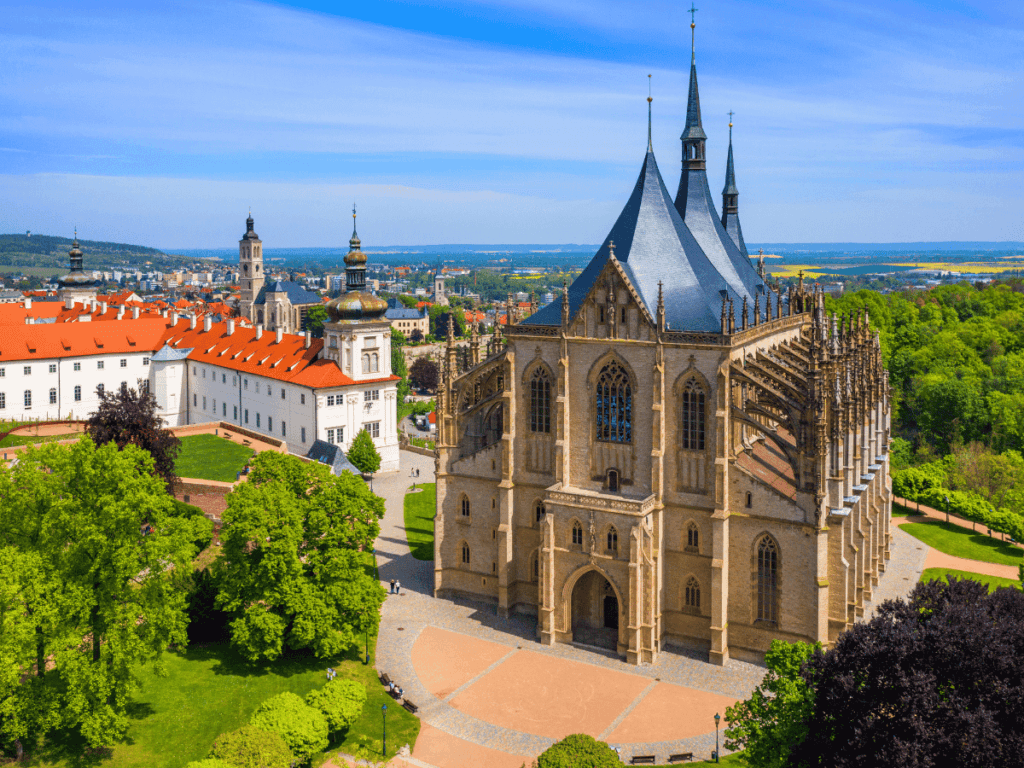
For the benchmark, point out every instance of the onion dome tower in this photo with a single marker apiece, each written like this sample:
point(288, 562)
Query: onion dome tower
point(76, 284)
point(730, 204)
point(356, 304)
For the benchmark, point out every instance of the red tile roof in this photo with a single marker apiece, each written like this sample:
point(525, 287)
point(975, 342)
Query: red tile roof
point(81, 339)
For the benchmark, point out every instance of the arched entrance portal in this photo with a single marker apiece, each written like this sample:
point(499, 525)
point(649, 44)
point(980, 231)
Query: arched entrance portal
point(595, 612)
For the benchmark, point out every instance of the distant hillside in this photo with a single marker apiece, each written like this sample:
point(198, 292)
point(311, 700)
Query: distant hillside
point(45, 252)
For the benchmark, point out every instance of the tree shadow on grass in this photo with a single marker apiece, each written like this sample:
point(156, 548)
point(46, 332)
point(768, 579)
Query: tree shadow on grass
point(227, 661)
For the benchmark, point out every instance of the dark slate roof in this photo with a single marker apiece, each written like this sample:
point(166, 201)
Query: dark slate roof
point(731, 221)
point(296, 293)
point(331, 455)
point(694, 203)
point(652, 244)
point(693, 129)
point(404, 313)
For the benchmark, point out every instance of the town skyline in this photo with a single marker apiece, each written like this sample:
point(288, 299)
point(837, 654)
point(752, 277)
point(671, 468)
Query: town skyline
point(163, 126)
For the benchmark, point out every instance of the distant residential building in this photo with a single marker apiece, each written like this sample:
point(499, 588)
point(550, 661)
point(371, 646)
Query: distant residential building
point(407, 320)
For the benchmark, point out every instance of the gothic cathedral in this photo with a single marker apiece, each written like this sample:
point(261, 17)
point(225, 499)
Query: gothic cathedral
point(676, 453)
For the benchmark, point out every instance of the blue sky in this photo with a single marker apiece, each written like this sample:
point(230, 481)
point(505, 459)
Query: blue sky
point(493, 121)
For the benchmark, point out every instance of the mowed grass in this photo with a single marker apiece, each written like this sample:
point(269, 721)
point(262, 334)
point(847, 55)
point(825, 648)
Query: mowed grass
point(12, 440)
point(210, 690)
point(963, 542)
point(419, 520)
point(208, 457)
point(993, 582)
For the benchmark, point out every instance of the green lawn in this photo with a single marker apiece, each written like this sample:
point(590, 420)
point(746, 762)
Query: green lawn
point(963, 542)
point(208, 457)
point(898, 510)
point(993, 582)
point(210, 690)
point(735, 760)
point(419, 520)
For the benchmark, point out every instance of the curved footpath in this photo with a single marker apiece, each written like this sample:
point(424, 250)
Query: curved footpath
point(490, 695)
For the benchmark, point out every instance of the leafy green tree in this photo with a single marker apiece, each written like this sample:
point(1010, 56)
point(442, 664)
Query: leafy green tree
point(298, 574)
point(397, 337)
point(578, 750)
point(314, 320)
point(128, 417)
point(100, 521)
point(363, 453)
point(772, 721)
point(213, 762)
point(439, 321)
point(424, 374)
point(340, 702)
point(252, 747)
point(301, 727)
point(398, 367)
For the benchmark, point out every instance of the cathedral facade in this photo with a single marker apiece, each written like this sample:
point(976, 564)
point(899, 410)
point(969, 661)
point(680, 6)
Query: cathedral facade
point(676, 453)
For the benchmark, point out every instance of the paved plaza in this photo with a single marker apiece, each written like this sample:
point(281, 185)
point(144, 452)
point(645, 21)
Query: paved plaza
point(490, 694)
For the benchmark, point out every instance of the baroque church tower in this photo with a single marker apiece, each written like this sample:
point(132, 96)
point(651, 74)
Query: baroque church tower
point(673, 455)
point(250, 265)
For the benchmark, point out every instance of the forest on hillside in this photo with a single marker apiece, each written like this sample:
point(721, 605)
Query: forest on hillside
point(955, 356)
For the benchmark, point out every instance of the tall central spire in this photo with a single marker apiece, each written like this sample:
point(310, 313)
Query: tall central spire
point(650, 147)
point(693, 137)
point(730, 201)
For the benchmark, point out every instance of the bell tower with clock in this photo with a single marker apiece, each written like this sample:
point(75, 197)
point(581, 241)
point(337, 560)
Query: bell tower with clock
point(250, 268)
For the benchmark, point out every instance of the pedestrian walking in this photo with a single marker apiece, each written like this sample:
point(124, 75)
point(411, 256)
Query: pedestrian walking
point(398, 587)
point(392, 586)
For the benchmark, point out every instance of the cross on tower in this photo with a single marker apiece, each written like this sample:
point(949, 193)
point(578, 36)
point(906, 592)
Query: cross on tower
point(693, 10)
point(353, 210)
point(731, 113)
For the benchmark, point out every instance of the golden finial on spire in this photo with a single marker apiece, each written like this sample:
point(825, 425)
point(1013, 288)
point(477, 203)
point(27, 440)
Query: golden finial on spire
point(693, 23)
point(650, 147)
point(731, 113)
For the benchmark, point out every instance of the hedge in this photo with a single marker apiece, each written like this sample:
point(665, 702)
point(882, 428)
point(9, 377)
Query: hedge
point(915, 485)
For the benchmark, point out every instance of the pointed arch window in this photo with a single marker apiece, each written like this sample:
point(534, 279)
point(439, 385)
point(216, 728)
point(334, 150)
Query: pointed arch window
point(540, 402)
point(767, 580)
point(691, 595)
point(538, 511)
point(613, 540)
point(465, 553)
point(692, 538)
point(465, 506)
point(693, 416)
point(577, 533)
point(614, 405)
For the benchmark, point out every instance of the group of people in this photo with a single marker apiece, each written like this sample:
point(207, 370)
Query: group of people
point(396, 587)
point(395, 690)
point(331, 674)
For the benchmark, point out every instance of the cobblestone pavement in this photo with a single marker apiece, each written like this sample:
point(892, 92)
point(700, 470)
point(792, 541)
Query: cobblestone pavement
point(405, 616)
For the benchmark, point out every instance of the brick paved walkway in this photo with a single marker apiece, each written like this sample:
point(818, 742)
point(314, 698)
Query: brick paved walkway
point(489, 693)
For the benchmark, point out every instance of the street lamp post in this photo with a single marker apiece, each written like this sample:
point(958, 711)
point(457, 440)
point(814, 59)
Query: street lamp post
point(366, 637)
point(384, 740)
point(717, 718)
point(947, 509)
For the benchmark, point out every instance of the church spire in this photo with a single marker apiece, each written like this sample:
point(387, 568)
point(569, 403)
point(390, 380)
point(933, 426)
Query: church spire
point(693, 137)
point(730, 201)
point(650, 147)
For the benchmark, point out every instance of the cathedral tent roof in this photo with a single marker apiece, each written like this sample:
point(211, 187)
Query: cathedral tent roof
point(296, 293)
point(653, 245)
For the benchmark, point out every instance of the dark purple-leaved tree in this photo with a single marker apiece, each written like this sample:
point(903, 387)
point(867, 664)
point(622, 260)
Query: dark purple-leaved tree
point(128, 416)
point(934, 681)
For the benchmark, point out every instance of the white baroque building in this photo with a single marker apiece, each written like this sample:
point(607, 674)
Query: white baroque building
point(286, 386)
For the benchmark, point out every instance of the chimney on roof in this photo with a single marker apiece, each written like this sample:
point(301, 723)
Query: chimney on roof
point(103, 307)
point(309, 339)
point(28, 302)
point(69, 303)
point(259, 330)
point(192, 322)
point(135, 313)
point(280, 334)
point(29, 320)
point(207, 323)
point(120, 312)
point(231, 327)
point(92, 305)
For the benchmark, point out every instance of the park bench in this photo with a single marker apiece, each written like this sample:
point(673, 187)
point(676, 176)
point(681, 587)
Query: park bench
point(408, 705)
point(681, 757)
point(384, 679)
point(247, 442)
point(642, 760)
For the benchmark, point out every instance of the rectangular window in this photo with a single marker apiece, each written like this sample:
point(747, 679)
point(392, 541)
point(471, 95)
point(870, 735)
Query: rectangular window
point(124, 362)
point(270, 423)
point(246, 415)
point(224, 378)
point(302, 400)
point(235, 409)
point(78, 366)
point(53, 367)
point(78, 394)
point(224, 410)
point(376, 394)
point(330, 437)
point(3, 400)
point(330, 400)
point(282, 394)
point(257, 420)
point(303, 430)
point(28, 398)
point(124, 385)
point(100, 389)
point(145, 361)
point(53, 396)
point(3, 372)
point(246, 383)
point(367, 396)
point(99, 365)
point(195, 371)
point(28, 370)
point(284, 429)
point(373, 427)
point(204, 373)
point(194, 400)
point(204, 402)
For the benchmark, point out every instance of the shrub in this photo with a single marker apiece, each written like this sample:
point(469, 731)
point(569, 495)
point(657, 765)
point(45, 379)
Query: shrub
point(202, 527)
point(578, 751)
point(251, 747)
point(303, 728)
point(340, 702)
point(210, 762)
